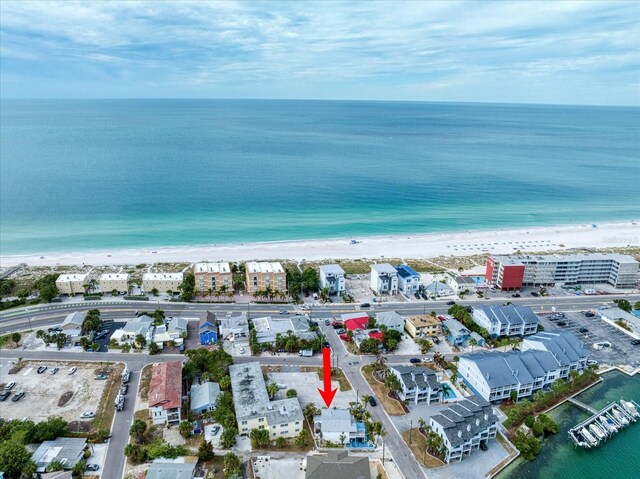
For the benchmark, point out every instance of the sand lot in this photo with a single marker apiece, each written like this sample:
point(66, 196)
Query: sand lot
point(307, 384)
point(44, 391)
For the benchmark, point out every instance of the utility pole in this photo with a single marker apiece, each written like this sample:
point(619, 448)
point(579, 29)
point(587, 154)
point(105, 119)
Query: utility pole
point(410, 431)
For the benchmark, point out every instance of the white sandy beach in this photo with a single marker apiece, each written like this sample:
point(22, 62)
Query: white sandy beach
point(416, 246)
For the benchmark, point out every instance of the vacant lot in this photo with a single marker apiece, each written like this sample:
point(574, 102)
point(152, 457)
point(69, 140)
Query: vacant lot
point(306, 384)
point(64, 395)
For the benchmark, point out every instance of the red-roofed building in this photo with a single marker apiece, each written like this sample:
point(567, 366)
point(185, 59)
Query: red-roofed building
point(355, 321)
point(165, 393)
point(376, 335)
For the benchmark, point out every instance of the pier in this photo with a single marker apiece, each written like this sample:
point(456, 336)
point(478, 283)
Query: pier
point(604, 423)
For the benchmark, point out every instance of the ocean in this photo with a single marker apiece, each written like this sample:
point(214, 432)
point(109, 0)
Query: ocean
point(107, 174)
point(618, 458)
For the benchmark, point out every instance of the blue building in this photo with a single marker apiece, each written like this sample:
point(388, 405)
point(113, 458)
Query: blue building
point(208, 329)
point(408, 279)
point(456, 333)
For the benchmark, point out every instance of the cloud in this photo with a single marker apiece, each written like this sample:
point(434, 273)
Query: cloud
point(379, 50)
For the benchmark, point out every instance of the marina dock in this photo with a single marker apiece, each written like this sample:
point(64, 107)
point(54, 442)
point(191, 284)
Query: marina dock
point(603, 424)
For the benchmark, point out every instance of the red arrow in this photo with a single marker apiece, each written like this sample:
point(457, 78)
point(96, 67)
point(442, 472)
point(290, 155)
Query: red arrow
point(327, 394)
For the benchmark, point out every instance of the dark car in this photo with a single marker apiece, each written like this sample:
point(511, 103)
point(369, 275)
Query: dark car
point(365, 305)
point(450, 303)
point(372, 401)
point(41, 369)
point(424, 296)
point(327, 322)
point(417, 295)
point(583, 330)
point(284, 311)
point(414, 360)
point(561, 323)
point(435, 340)
point(18, 396)
point(533, 293)
point(483, 446)
point(635, 342)
point(514, 295)
point(4, 395)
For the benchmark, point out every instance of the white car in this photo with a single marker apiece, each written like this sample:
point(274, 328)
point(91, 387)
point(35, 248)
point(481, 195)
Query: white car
point(88, 414)
point(72, 370)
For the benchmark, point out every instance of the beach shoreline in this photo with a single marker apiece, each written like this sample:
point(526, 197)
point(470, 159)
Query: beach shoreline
point(413, 246)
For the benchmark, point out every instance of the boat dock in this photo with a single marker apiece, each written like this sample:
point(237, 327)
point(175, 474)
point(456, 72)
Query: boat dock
point(604, 423)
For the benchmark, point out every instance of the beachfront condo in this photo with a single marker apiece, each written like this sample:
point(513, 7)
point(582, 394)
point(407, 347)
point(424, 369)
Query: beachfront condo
point(332, 277)
point(384, 279)
point(514, 272)
point(163, 282)
point(72, 284)
point(262, 276)
point(213, 277)
point(114, 282)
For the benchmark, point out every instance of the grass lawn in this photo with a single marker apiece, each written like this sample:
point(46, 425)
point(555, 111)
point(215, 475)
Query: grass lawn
point(105, 410)
point(392, 406)
point(419, 448)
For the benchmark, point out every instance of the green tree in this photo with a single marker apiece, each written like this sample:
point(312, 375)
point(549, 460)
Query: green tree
point(48, 292)
point(140, 340)
point(259, 438)
point(637, 305)
point(55, 466)
point(301, 438)
point(137, 430)
point(272, 389)
point(16, 337)
point(232, 465)
point(228, 437)
point(473, 343)
point(135, 452)
point(393, 383)
point(623, 304)
point(369, 346)
point(154, 291)
point(14, 458)
point(78, 469)
point(50, 429)
point(391, 339)
point(225, 383)
point(292, 393)
point(185, 429)
point(205, 451)
point(528, 446)
point(281, 442)
point(187, 287)
point(154, 348)
point(310, 410)
point(91, 323)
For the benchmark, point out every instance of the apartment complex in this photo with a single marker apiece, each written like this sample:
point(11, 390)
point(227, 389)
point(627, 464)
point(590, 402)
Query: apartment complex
point(422, 325)
point(506, 320)
point(514, 272)
point(332, 277)
point(163, 282)
point(253, 408)
point(114, 282)
point(165, 393)
point(464, 426)
point(384, 279)
point(213, 276)
point(71, 284)
point(262, 276)
point(419, 384)
point(545, 357)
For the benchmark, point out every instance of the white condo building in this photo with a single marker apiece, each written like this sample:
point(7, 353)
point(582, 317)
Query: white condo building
point(332, 277)
point(384, 279)
point(163, 282)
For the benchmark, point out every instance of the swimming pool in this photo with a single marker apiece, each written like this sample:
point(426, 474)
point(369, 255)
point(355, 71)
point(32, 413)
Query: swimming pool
point(451, 393)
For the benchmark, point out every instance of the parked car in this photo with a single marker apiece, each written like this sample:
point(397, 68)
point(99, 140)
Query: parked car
point(562, 323)
point(424, 296)
point(635, 342)
point(591, 362)
point(88, 414)
point(483, 446)
point(92, 467)
point(9, 386)
point(53, 371)
point(101, 377)
point(346, 338)
point(72, 370)
point(372, 401)
point(583, 330)
point(284, 311)
point(533, 293)
point(427, 359)
point(123, 389)
point(18, 396)
point(365, 305)
point(417, 295)
point(414, 360)
point(514, 295)
point(41, 369)
point(435, 340)
point(340, 331)
point(450, 303)
point(441, 318)
point(4, 395)
point(327, 322)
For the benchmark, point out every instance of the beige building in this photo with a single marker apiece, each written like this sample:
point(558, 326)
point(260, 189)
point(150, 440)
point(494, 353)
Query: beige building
point(261, 276)
point(422, 325)
point(163, 282)
point(212, 275)
point(71, 283)
point(109, 282)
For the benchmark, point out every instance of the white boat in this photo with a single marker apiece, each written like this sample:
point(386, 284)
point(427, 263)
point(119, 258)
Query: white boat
point(631, 408)
point(597, 431)
point(608, 425)
point(587, 435)
point(620, 417)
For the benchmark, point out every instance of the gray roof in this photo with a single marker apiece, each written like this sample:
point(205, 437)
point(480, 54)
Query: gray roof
point(204, 394)
point(477, 337)
point(455, 327)
point(68, 450)
point(510, 314)
point(138, 324)
point(74, 319)
point(564, 346)
point(439, 287)
point(251, 399)
point(384, 268)
point(171, 470)
point(513, 367)
point(268, 327)
point(332, 269)
point(389, 319)
point(465, 419)
point(337, 464)
point(420, 376)
point(177, 325)
point(554, 258)
point(336, 420)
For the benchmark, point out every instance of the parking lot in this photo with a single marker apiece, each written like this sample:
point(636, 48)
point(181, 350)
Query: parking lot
point(61, 394)
point(108, 329)
point(621, 350)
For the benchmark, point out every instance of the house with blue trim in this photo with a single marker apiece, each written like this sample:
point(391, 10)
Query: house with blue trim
point(208, 329)
point(408, 279)
point(457, 334)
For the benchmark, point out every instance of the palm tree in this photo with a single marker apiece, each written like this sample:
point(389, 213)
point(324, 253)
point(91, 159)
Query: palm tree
point(473, 343)
point(365, 400)
point(324, 294)
point(223, 290)
point(380, 359)
point(446, 389)
point(439, 360)
point(272, 389)
point(209, 292)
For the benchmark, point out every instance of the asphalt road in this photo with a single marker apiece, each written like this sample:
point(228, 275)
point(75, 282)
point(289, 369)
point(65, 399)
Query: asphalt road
point(37, 317)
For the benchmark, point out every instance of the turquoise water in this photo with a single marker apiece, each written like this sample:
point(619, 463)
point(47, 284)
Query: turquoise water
point(618, 458)
point(450, 394)
point(89, 174)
